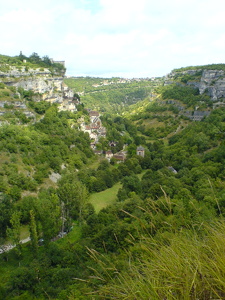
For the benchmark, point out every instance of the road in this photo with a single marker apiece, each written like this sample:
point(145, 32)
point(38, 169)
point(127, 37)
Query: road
point(5, 248)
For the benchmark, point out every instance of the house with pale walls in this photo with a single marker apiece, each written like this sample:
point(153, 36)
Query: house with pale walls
point(95, 128)
point(91, 130)
point(140, 151)
point(94, 116)
point(86, 128)
point(67, 105)
point(93, 145)
point(68, 102)
point(61, 62)
point(67, 92)
point(108, 154)
point(94, 136)
point(120, 156)
point(99, 152)
point(102, 132)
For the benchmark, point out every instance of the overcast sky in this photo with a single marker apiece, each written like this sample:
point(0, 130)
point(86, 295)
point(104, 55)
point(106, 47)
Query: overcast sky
point(125, 38)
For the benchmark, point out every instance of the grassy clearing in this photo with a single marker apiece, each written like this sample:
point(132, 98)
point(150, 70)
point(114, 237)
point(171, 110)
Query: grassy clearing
point(24, 232)
point(104, 198)
point(141, 174)
point(153, 124)
point(73, 236)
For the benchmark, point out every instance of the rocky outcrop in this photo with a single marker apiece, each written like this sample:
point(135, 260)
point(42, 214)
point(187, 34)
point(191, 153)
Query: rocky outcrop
point(211, 82)
point(216, 84)
point(42, 82)
point(17, 72)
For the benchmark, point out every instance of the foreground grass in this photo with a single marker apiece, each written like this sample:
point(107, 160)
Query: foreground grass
point(186, 266)
point(104, 198)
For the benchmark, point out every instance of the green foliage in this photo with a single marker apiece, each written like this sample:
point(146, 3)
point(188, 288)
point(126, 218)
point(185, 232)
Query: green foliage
point(36, 150)
point(178, 92)
point(182, 268)
point(26, 94)
point(34, 61)
point(204, 67)
point(49, 215)
point(5, 213)
point(73, 197)
point(13, 232)
point(186, 94)
point(33, 233)
point(39, 107)
point(110, 94)
point(163, 239)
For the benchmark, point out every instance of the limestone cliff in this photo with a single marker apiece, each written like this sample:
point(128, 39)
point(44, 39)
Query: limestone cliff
point(45, 84)
point(211, 82)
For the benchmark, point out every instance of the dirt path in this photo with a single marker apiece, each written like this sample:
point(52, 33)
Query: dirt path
point(5, 248)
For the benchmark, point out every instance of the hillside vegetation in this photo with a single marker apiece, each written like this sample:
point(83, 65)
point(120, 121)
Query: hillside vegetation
point(114, 94)
point(34, 61)
point(149, 227)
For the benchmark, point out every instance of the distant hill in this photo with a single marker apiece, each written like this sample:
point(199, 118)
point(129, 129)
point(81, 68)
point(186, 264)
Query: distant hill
point(115, 94)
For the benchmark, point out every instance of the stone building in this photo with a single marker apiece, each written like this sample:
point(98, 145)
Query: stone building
point(141, 151)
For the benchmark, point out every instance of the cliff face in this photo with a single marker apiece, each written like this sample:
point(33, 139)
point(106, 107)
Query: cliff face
point(211, 82)
point(42, 82)
point(50, 89)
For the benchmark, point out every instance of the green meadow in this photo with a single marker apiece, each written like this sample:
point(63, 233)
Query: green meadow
point(102, 199)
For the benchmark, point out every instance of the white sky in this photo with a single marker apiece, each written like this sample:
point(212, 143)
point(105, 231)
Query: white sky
point(125, 38)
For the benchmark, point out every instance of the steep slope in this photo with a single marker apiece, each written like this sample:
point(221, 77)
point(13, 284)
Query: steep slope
point(209, 79)
point(39, 135)
point(23, 77)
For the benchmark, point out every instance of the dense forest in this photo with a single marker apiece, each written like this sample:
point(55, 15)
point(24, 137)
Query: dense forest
point(148, 227)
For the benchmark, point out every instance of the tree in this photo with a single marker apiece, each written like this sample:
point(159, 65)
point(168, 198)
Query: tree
point(49, 214)
point(34, 57)
point(14, 232)
point(21, 56)
point(73, 198)
point(131, 150)
point(122, 194)
point(33, 233)
point(157, 164)
point(104, 165)
point(132, 184)
point(40, 107)
point(5, 213)
point(47, 60)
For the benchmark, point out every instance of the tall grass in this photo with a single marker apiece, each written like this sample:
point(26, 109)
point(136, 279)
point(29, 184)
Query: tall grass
point(189, 267)
point(186, 264)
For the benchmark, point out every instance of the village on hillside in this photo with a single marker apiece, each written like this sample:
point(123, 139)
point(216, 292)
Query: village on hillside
point(96, 130)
